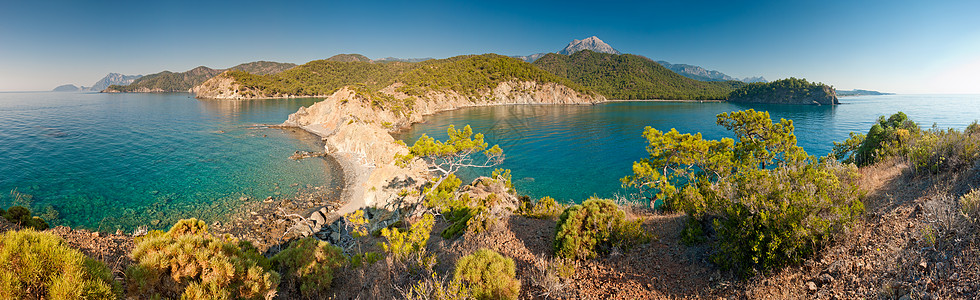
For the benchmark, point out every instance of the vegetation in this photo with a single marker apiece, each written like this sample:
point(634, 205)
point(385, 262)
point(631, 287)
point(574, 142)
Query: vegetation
point(402, 245)
point(544, 208)
point(489, 275)
point(308, 266)
point(887, 138)
point(37, 265)
point(22, 216)
point(970, 205)
point(447, 158)
point(630, 77)
point(190, 263)
point(263, 67)
point(474, 75)
point(785, 91)
point(938, 150)
point(761, 202)
point(595, 227)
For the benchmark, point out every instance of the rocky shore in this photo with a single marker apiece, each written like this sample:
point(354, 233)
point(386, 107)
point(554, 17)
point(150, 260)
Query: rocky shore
point(357, 135)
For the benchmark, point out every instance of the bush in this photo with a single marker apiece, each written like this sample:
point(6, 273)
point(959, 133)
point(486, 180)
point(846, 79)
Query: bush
point(544, 208)
point(22, 216)
point(970, 205)
point(595, 227)
point(402, 245)
point(489, 275)
point(40, 265)
point(887, 138)
point(188, 262)
point(308, 266)
point(945, 150)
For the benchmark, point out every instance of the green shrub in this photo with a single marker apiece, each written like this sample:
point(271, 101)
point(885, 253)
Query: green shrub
point(887, 138)
point(188, 262)
point(402, 245)
point(970, 205)
point(368, 257)
point(22, 216)
point(594, 227)
point(945, 150)
point(308, 266)
point(37, 265)
point(544, 208)
point(489, 275)
point(444, 196)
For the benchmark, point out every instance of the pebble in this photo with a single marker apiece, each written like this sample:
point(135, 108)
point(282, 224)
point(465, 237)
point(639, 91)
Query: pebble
point(811, 286)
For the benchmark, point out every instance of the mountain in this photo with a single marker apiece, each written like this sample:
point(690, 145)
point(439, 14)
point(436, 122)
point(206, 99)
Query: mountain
point(68, 88)
point(591, 43)
point(349, 58)
point(630, 77)
point(410, 60)
point(530, 58)
point(699, 73)
point(263, 67)
point(168, 82)
point(785, 91)
point(113, 78)
point(848, 93)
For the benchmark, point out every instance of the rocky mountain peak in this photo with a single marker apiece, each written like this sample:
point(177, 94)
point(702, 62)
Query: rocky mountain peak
point(591, 43)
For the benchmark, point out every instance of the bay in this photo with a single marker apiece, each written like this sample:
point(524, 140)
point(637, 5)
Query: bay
point(117, 161)
point(577, 151)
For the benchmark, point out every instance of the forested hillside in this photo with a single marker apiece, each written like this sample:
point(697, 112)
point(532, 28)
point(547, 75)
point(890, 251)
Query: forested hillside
point(631, 77)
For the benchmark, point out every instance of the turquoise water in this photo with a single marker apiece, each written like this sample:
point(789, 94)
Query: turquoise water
point(573, 152)
point(108, 161)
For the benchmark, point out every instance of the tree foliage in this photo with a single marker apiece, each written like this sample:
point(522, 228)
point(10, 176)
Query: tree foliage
point(759, 199)
point(790, 91)
point(308, 266)
point(461, 150)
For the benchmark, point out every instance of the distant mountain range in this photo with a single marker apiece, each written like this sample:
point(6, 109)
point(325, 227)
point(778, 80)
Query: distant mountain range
point(113, 78)
point(699, 73)
point(592, 43)
point(166, 81)
point(847, 93)
point(69, 88)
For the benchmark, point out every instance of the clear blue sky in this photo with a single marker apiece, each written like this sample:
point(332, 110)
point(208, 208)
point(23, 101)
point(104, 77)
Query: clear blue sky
point(896, 46)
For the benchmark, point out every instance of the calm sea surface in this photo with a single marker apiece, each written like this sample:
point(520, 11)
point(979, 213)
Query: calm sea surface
point(108, 161)
point(573, 152)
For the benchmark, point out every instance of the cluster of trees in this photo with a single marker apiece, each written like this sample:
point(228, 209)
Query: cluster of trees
point(790, 90)
point(631, 77)
point(473, 75)
point(169, 81)
point(322, 77)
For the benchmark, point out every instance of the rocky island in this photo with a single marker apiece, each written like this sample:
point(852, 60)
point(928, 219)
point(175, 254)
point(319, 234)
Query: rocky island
point(785, 91)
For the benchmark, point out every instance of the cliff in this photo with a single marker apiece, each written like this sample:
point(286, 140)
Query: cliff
point(785, 91)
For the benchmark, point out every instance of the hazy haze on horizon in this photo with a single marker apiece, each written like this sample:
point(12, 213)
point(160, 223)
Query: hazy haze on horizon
point(892, 46)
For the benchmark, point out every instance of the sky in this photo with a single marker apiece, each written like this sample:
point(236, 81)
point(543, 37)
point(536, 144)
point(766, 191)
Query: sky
point(892, 46)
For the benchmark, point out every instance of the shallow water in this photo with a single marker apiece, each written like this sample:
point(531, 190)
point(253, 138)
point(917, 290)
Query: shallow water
point(573, 152)
point(108, 161)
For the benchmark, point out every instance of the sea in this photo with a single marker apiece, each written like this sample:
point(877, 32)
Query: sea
point(118, 161)
point(575, 152)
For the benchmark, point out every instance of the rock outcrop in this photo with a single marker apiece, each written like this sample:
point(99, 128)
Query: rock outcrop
point(591, 43)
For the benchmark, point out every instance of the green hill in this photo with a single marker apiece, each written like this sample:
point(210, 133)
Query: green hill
point(631, 77)
point(349, 58)
point(468, 75)
point(785, 91)
point(166, 81)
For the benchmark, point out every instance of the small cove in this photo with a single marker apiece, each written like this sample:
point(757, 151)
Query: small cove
point(576, 151)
